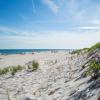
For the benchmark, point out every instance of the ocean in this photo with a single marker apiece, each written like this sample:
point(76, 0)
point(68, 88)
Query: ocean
point(23, 51)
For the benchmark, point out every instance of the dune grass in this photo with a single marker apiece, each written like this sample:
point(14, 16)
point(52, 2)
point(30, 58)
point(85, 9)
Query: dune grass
point(35, 65)
point(4, 71)
point(16, 69)
point(94, 66)
point(94, 47)
point(87, 50)
point(78, 51)
point(11, 69)
point(93, 70)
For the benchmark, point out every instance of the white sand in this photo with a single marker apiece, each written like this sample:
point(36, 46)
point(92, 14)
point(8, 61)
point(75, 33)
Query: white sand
point(52, 81)
point(22, 59)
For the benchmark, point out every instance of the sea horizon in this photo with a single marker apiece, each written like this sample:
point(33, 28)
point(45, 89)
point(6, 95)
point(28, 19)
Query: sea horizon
point(24, 51)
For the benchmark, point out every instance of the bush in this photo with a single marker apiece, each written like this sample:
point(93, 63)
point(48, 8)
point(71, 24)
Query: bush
point(95, 65)
point(91, 49)
point(93, 70)
point(86, 73)
point(94, 47)
point(14, 70)
point(35, 65)
point(4, 70)
point(19, 67)
point(78, 51)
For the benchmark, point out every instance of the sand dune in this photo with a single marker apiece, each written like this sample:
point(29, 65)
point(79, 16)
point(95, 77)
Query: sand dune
point(22, 59)
point(58, 78)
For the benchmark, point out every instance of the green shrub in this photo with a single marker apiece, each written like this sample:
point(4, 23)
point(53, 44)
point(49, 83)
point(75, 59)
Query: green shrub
point(95, 65)
point(93, 70)
point(87, 73)
point(96, 46)
point(78, 51)
point(14, 69)
point(91, 49)
point(35, 65)
point(19, 67)
point(4, 70)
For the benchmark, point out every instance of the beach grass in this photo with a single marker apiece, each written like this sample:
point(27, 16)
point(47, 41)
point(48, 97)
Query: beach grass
point(93, 70)
point(4, 70)
point(11, 69)
point(35, 65)
point(94, 47)
point(16, 69)
point(78, 51)
point(87, 50)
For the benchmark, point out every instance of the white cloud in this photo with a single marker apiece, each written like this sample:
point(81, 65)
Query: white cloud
point(89, 27)
point(95, 22)
point(79, 38)
point(8, 30)
point(52, 5)
point(15, 32)
point(53, 39)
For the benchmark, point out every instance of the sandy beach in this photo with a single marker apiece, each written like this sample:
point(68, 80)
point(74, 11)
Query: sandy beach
point(22, 59)
point(57, 78)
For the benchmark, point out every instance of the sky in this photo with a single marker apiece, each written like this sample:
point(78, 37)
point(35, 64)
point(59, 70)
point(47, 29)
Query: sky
point(54, 24)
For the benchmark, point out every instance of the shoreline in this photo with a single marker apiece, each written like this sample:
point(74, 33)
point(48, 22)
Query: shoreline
point(59, 76)
point(30, 51)
point(22, 59)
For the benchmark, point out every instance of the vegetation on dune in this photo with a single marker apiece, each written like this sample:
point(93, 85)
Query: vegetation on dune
point(93, 70)
point(35, 65)
point(4, 71)
point(94, 63)
point(94, 47)
point(91, 49)
point(12, 70)
point(78, 51)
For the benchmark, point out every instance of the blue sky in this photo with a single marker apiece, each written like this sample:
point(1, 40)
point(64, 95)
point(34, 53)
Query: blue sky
point(49, 23)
